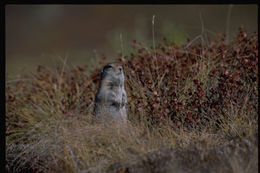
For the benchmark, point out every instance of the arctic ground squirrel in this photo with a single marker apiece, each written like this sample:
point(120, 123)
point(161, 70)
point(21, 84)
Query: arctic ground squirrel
point(111, 97)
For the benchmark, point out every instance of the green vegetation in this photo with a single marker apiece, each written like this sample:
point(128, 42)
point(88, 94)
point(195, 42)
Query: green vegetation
point(191, 108)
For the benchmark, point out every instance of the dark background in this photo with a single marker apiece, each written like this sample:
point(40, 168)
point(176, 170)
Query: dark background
point(46, 34)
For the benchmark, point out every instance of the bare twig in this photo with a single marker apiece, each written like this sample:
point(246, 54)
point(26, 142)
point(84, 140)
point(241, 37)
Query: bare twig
point(228, 23)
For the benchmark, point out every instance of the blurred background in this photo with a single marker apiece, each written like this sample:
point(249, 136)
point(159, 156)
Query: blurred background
point(46, 34)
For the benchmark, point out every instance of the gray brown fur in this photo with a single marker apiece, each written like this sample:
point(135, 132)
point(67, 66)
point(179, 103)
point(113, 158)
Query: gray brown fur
point(111, 97)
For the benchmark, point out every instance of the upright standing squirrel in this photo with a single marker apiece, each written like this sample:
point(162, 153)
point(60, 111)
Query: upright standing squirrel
point(111, 98)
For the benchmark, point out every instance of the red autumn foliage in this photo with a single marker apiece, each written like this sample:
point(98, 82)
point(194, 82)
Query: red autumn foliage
point(188, 85)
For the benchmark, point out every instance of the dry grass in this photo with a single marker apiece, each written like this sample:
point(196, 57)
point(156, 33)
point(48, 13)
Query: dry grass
point(74, 144)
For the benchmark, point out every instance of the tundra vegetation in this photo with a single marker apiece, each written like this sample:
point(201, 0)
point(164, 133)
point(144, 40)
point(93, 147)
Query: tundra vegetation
point(191, 108)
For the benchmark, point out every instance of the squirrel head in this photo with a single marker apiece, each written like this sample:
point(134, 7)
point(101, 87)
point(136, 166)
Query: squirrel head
point(113, 71)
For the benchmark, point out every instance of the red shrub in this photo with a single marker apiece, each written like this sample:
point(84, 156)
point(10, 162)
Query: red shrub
point(188, 85)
